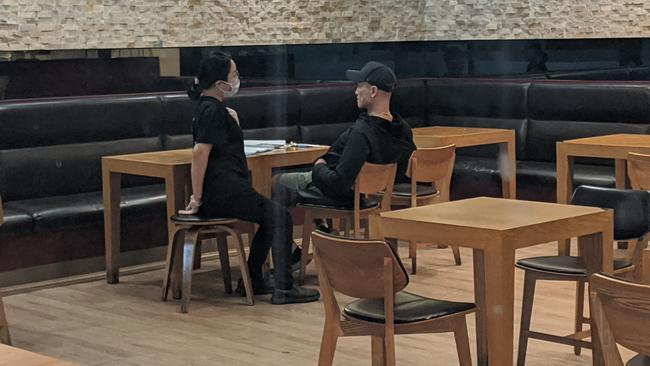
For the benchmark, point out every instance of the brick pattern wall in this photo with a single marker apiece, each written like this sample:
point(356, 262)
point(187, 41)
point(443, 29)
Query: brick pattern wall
point(87, 24)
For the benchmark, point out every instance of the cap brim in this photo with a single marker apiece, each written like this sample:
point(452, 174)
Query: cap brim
point(354, 75)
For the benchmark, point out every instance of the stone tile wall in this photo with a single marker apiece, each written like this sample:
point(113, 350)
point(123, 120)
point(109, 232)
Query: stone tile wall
point(87, 24)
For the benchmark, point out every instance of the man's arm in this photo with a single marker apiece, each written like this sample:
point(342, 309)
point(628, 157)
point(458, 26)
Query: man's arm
point(339, 180)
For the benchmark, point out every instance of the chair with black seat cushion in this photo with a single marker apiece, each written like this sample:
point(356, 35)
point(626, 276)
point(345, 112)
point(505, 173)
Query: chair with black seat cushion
point(5, 337)
point(188, 231)
point(372, 178)
point(430, 170)
point(630, 223)
point(370, 271)
point(621, 312)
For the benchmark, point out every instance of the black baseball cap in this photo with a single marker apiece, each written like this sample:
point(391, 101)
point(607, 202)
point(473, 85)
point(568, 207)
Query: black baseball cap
point(374, 73)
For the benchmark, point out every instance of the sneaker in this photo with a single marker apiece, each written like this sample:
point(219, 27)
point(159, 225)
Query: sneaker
point(259, 287)
point(297, 294)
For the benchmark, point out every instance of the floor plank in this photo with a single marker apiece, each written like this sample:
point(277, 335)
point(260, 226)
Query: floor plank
point(99, 324)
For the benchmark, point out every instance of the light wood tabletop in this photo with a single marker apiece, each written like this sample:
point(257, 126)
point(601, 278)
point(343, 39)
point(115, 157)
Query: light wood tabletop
point(494, 228)
point(174, 167)
point(436, 136)
point(11, 356)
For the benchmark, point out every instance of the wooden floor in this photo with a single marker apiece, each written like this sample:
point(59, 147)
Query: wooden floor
point(126, 324)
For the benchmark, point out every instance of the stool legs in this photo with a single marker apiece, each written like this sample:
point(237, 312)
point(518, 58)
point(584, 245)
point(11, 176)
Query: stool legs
point(243, 265)
point(169, 263)
point(189, 246)
point(526, 314)
point(222, 247)
point(456, 251)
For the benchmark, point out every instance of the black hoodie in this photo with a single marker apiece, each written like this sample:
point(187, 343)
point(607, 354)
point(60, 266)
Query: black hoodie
point(372, 139)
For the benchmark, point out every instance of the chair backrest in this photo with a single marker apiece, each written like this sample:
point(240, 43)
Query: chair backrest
point(374, 178)
point(432, 165)
point(355, 267)
point(630, 208)
point(638, 169)
point(621, 311)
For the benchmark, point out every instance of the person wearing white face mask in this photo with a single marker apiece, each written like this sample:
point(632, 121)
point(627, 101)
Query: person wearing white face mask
point(221, 183)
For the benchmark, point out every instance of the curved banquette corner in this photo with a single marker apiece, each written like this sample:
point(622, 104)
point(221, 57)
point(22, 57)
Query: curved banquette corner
point(51, 149)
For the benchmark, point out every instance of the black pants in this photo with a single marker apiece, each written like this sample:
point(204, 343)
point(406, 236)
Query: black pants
point(275, 231)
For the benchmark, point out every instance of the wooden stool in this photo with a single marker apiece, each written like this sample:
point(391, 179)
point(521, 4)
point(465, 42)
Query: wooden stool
point(194, 228)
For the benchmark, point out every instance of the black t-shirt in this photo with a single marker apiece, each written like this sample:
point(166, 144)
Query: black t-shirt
point(227, 171)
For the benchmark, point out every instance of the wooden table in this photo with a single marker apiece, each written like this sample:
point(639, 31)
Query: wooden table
point(11, 356)
point(609, 146)
point(174, 167)
point(494, 228)
point(468, 136)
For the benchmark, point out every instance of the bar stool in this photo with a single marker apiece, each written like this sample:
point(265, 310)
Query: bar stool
point(630, 223)
point(191, 229)
point(372, 179)
point(5, 336)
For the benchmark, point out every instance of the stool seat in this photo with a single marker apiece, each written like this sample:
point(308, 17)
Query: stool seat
point(404, 190)
point(409, 308)
point(569, 265)
point(202, 220)
point(639, 360)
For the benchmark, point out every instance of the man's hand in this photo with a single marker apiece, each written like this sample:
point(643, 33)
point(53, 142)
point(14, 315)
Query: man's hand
point(192, 207)
point(320, 161)
point(233, 114)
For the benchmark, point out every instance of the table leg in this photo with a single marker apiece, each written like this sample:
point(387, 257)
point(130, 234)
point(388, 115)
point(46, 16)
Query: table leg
point(111, 191)
point(5, 337)
point(494, 285)
point(597, 250)
point(620, 166)
point(564, 188)
point(508, 168)
point(262, 179)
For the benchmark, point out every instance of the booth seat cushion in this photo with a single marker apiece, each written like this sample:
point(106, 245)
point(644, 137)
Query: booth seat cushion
point(64, 212)
point(173, 142)
point(15, 221)
point(475, 176)
point(409, 308)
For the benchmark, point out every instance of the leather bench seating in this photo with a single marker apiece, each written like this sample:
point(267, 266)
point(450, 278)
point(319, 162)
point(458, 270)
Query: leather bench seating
point(51, 149)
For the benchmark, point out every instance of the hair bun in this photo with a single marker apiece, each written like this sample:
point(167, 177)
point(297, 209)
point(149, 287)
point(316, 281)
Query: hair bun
point(195, 91)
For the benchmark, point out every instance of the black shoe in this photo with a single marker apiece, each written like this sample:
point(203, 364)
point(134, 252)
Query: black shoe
point(259, 287)
point(297, 294)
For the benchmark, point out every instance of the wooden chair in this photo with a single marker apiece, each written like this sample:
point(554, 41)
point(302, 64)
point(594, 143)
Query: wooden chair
point(430, 170)
point(372, 178)
point(630, 223)
point(372, 272)
point(621, 312)
point(190, 230)
point(638, 170)
point(5, 336)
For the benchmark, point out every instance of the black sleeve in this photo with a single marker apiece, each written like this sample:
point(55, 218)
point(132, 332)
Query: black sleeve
point(211, 127)
point(339, 180)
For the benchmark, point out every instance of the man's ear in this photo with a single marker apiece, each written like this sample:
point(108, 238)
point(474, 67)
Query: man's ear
point(373, 91)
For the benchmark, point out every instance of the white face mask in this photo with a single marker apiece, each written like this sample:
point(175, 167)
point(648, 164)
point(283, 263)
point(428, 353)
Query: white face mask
point(233, 88)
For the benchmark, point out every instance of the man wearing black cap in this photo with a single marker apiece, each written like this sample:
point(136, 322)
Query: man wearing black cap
point(378, 136)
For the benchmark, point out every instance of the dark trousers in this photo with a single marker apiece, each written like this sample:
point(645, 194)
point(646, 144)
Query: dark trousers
point(275, 232)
